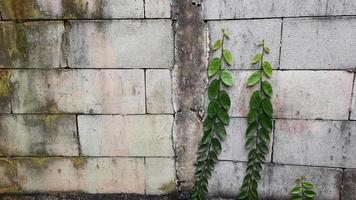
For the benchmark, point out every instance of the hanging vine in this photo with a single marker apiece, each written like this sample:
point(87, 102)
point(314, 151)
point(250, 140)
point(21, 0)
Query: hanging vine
point(259, 124)
point(216, 120)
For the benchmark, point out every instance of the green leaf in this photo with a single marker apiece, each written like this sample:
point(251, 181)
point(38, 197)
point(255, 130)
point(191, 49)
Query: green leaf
point(243, 195)
point(257, 58)
point(216, 145)
point(308, 184)
point(296, 197)
point(267, 88)
point(251, 142)
point(255, 100)
point(226, 34)
point(220, 130)
point(262, 147)
point(310, 193)
point(266, 49)
point(264, 135)
point(207, 137)
point(252, 116)
point(297, 190)
point(224, 116)
point(225, 100)
point(227, 78)
point(266, 122)
point(207, 124)
point(267, 107)
point(213, 108)
point(216, 45)
point(254, 78)
point(214, 67)
point(251, 129)
point(267, 68)
point(213, 89)
point(227, 56)
point(203, 148)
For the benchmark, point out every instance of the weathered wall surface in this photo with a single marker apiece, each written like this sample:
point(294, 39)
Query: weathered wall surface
point(99, 97)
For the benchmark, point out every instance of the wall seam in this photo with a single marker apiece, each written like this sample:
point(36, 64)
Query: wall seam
point(352, 96)
point(280, 45)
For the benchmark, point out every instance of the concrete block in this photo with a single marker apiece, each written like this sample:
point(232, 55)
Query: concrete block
point(323, 43)
point(299, 94)
point(69, 9)
point(159, 91)
point(89, 175)
point(245, 35)
point(22, 45)
point(240, 9)
point(121, 44)
point(316, 143)
point(79, 91)
point(158, 8)
point(131, 135)
point(349, 185)
point(160, 175)
point(38, 135)
point(277, 180)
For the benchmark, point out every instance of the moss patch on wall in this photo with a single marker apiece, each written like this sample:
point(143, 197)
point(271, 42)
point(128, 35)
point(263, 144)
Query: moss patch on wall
point(20, 9)
point(6, 89)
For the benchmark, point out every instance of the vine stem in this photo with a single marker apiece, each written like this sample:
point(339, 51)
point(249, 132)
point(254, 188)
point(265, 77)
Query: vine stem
point(208, 156)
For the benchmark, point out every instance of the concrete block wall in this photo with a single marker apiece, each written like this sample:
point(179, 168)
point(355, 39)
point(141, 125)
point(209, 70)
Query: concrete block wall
point(312, 51)
point(105, 99)
point(86, 98)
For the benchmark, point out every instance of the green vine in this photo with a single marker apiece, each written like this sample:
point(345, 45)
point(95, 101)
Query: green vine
point(303, 190)
point(259, 125)
point(216, 119)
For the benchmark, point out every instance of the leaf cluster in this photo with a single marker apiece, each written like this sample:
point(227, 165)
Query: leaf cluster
point(303, 190)
point(216, 120)
point(259, 125)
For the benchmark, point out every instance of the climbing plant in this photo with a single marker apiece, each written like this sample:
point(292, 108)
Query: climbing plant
point(217, 117)
point(259, 124)
point(303, 190)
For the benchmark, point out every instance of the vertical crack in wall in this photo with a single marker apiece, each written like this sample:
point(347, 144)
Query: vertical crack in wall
point(189, 85)
point(352, 95)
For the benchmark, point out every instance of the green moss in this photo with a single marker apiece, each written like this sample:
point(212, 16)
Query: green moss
point(74, 9)
point(78, 162)
point(21, 9)
point(168, 187)
point(6, 89)
point(39, 162)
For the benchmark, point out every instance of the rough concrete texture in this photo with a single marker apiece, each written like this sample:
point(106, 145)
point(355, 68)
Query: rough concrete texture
point(160, 176)
point(277, 180)
point(189, 84)
point(158, 8)
point(79, 91)
point(159, 91)
point(38, 135)
point(236, 9)
point(299, 94)
point(349, 185)
point(326, 43)
point(317, 143)
point(22, 44)
point(234, 145)
point(69, 9)
point(245, 36)
point(108, 96)
point(131, 135)
point(92, 175)
point(120, 44)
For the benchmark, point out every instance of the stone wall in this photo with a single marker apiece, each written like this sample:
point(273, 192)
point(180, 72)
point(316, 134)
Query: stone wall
point(105, 98)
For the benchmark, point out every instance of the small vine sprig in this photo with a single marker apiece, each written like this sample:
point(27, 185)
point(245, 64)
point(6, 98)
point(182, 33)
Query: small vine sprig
point(215, 121)
point(259, 125)
point(303, 190)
